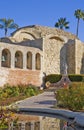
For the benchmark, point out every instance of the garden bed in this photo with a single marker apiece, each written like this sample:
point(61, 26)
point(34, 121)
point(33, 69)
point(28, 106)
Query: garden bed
point(10, 94)
point(71, 97)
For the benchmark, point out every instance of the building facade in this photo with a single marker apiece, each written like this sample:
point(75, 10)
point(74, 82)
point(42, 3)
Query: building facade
point(32, 50)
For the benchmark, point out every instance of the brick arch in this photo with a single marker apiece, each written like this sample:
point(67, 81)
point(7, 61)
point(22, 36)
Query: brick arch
point(29, 60)
point(6, 58)
point(18, 59)
point(33, 37)
point(23, 35)
point(38, 61)
point(56, 37)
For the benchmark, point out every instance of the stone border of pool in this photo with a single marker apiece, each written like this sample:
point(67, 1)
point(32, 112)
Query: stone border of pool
point(73, 117)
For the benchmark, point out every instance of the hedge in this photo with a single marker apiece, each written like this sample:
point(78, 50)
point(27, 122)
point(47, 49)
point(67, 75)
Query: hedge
point(53, 78)
point(76, 78)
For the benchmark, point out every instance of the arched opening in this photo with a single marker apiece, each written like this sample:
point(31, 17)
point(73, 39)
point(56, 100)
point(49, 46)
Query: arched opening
point(38, 61)
point(29, 60)
point(6, 58)
point(19, 59)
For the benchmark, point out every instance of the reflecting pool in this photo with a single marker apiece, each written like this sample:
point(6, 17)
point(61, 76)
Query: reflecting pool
point(31, 122)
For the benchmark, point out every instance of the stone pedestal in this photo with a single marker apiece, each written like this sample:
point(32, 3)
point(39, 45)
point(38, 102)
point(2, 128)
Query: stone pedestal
point(65, 79)
point(63, 82)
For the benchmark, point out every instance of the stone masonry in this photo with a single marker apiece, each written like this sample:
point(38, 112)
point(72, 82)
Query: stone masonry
point(32, 50)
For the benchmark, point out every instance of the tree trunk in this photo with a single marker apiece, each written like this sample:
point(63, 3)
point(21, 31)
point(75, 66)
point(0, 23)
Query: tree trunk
point(5, 32)
point(77, 27)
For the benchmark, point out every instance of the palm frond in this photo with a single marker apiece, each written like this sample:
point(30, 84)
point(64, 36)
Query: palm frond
point(62, 23)
point(1, 26)
point(13, 26)
point(7, 24)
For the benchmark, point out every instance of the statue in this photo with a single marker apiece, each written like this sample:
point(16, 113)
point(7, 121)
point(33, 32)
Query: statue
point(65, 68)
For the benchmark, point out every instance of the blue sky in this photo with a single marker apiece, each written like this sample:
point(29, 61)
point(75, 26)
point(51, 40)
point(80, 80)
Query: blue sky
point(42, 12)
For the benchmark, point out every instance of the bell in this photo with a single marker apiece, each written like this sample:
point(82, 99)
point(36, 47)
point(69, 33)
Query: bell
point(3, 58)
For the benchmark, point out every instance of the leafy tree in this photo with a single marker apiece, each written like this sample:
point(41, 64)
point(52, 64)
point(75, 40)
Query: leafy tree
point(62, 23)
point(7, 24)
point(79, 14)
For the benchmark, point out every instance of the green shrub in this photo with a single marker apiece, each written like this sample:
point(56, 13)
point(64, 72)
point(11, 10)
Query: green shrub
point(53, 78)
point(22, 88)
point(76, 78)
point(72, 97)
point(36, 90)
point(1, 93)
point(7, 91)
point(10, 91)
point(31, 91)
point(17, 93)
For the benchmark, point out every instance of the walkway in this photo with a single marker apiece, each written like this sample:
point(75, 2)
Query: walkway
point(44, 100)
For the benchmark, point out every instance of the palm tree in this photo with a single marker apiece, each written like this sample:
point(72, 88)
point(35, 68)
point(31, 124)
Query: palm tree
point(62, 23)
point(79, 14)
point(7, 24)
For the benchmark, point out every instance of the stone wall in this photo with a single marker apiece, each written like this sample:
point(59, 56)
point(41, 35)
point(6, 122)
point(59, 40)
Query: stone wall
point(57, 53)
point(13, 75)
point(51, 56)
point(55, 50)
point(75, 57)
point(79, 56)
point(36, 31)
point(38, 43)
point(71, 57)
point(13, 48)
point(18, 76)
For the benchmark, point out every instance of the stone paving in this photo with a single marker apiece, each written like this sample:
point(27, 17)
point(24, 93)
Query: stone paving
point(44, 100)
